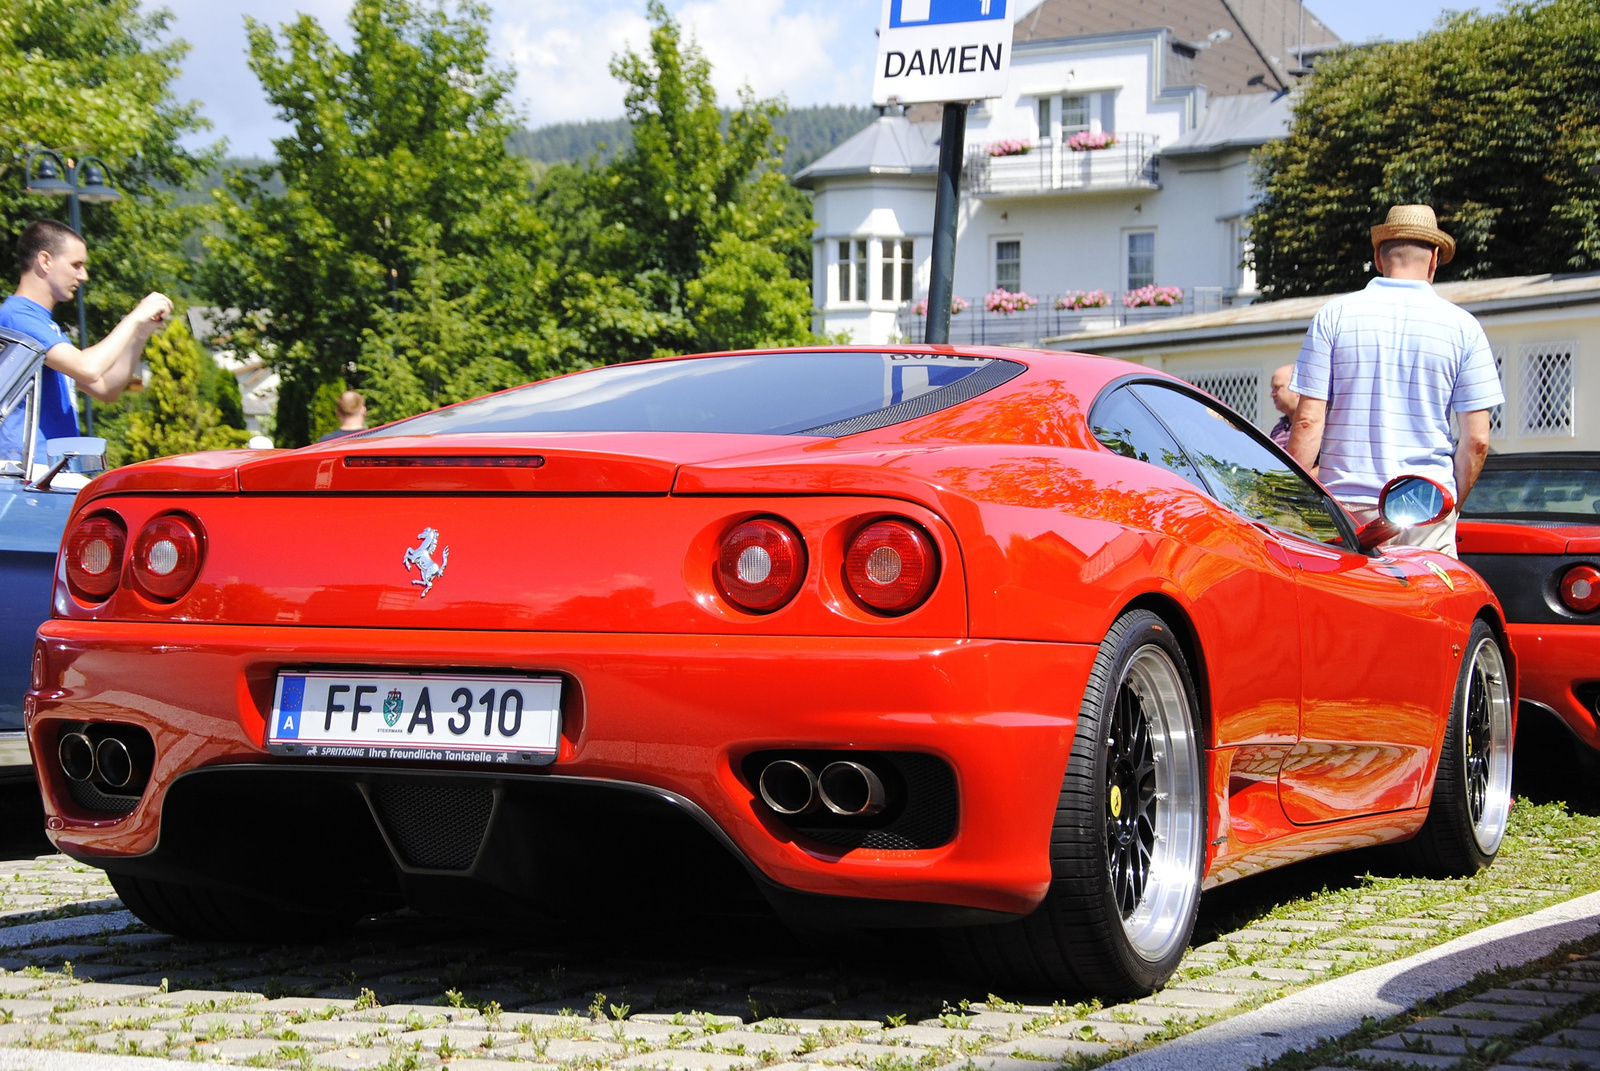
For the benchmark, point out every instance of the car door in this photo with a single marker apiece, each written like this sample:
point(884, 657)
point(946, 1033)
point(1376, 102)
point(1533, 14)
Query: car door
point(1373, 673)
point(1369, 660)
point(1249, 606)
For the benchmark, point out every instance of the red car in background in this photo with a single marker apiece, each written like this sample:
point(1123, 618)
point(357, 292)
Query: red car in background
point(1029, 647)
point(1531, 528)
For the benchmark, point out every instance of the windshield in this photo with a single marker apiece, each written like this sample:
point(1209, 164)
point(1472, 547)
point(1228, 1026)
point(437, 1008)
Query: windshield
point(1553, 492)
point(793, 393)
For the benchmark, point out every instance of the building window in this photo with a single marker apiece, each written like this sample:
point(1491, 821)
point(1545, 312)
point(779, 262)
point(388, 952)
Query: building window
point(1074, 115)
point(853, 270)
point(1008, 265)
point(898, 270)
point(1141, 259)
point(1044, 119)
point(1242, 272)
point(1548, 389)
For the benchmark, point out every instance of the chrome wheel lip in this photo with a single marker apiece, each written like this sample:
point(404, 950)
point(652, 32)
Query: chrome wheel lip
point(1156, 927)
point(1485, 718)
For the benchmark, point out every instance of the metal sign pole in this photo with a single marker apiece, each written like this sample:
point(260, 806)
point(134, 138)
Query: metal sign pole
point(941, 286)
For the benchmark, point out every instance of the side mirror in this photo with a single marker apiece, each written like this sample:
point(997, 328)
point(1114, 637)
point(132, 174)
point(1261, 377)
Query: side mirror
point(83, 454)
point(1406, 502)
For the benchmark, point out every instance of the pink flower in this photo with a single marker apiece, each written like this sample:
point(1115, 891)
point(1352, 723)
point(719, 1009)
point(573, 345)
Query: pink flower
point(1009, 147)
point(1005, 302)
point(958, 305)
point(1087, 140)
point(1083, 299)
point(1149, 296)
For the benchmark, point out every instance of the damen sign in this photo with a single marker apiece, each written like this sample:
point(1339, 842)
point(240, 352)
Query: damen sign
point(943, 50)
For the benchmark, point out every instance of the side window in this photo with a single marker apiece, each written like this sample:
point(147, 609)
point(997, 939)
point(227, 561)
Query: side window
point(1242, 473)
point(1122, 423)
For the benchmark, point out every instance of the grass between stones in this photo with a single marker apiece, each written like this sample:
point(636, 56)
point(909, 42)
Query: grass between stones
point(1489, 1052)
point(1258, 939)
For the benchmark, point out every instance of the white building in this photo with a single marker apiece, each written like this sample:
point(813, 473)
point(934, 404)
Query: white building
point(1186, 89)
point(1545, 330)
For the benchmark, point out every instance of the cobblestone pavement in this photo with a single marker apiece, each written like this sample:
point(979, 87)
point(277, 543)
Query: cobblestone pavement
point(78, 972)
point(1551, 1019)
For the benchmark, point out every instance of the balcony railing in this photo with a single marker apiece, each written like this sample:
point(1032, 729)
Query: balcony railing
point(1130, 164)
point(975, 327)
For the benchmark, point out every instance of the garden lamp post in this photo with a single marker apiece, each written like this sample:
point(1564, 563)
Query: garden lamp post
point(87, 179)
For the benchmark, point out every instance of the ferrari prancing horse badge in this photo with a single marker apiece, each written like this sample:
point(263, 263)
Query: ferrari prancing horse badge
point(422, 558)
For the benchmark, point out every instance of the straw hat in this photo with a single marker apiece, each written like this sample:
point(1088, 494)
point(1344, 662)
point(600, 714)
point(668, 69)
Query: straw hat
point(1415, 222)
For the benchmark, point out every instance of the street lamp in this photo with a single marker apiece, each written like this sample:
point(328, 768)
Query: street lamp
point(86, 180)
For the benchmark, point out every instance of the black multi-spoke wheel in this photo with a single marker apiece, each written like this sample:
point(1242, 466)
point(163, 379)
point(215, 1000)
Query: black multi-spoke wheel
point(1129, 837)
point(1472, 787)
point(1130, 799)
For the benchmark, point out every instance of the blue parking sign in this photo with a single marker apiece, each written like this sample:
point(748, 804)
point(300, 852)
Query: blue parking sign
point(944, 12)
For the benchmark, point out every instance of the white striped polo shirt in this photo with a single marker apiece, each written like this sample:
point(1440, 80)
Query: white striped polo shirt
point(1392, 362)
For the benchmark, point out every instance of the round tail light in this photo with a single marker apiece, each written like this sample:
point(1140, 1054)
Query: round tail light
point(1580, 589)
point(94, 556)
point(761, 565)
point(166, 556)
point(891, 566)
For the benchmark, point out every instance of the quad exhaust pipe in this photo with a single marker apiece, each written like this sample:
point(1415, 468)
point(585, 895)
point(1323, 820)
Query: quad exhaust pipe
point(109, 761)
point(114, 762)
point(76, 752)
point(847, 789)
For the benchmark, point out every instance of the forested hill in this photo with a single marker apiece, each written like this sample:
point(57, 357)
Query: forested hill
point(810, 133)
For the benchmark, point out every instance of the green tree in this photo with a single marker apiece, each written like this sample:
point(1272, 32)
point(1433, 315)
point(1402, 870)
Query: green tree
point(653, 245)
point(172, 415)
point(403, 255)
point(95, 76)
point(1492, 119)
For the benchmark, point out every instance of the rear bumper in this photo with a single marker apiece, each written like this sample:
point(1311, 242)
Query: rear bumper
point(668, 715)
point(1551, 661)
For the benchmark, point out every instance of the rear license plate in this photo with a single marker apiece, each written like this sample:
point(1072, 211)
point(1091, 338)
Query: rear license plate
point(439, 717)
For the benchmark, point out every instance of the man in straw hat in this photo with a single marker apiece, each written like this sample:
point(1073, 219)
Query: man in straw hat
point(1380, 373)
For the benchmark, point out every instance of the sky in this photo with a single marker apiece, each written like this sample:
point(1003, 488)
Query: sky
point(808, 51)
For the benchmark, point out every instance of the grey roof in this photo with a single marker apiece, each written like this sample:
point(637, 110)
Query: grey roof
point(1241, 122)
point(891, 145)
point(1228, 46)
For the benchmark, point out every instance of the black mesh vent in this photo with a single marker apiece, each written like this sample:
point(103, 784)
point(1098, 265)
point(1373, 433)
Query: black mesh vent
point(964, 389)
point(91, 798)
point(923, 807)
point(434, 827)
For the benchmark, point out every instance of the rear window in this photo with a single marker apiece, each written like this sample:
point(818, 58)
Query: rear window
point(1567, 493)
point(794, 393)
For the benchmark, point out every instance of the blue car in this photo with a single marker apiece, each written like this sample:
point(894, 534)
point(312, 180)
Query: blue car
point(34, 508)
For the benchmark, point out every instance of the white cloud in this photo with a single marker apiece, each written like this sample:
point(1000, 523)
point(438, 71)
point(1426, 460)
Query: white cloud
point(562, 57)
point(562, 54)
point(800, 54)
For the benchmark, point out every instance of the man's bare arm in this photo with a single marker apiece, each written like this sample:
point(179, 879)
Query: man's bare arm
point(1305, 432)
point(105, 368)
point(1471, 451)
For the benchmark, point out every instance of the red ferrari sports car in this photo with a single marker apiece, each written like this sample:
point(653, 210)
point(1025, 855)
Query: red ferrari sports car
point(1030, 647)
point(1531, 528)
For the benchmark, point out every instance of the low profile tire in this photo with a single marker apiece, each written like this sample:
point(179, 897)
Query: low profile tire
point(203, 914)
point(1472, 788)
point(1128, 841)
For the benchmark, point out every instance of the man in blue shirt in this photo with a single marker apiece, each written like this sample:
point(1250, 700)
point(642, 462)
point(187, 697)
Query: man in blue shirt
point(53, 260)
point(1381, 373)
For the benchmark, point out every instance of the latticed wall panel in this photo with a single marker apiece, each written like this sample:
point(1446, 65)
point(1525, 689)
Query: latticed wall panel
point(1238, 388)
point(1497, 415)
point(1546, 371)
